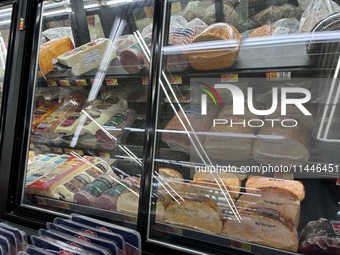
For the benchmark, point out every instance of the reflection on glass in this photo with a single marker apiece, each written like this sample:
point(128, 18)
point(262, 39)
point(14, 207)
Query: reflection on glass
point(248, 106)
point(87, 132)
point(5, 23)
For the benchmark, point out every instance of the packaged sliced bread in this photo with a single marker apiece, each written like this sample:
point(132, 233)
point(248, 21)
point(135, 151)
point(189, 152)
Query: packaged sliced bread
point(199, 215)
point(275, 198)
point(209, 58)
point(263, 226)
point(255, 183)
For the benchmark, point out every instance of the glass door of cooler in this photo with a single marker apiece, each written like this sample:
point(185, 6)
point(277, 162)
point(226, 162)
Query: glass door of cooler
point(246, 158)
point(6, 12)
point(88, 110)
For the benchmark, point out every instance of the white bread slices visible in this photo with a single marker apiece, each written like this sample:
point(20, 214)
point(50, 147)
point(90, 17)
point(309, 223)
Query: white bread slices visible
point(198, 215)
point(260, 182)
point(263, 226)
point(275, 198)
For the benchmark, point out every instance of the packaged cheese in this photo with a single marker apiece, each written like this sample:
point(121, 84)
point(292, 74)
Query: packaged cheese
point(41, 167)
point(51, 50)
point(87, 56)
point(44, 111)
point(98, 112)
point(48, 125)
point(45, 185)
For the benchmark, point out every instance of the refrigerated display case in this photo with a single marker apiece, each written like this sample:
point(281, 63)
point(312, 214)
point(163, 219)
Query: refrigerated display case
point(249, 127)
point(211, 127)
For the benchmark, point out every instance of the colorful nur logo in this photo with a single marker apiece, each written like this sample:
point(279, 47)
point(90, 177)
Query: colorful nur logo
point(212, 92)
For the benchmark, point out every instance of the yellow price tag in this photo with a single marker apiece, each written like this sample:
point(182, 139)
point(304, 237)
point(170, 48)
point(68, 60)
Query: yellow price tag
point(230, 77)
point(240, 245)
point(51, 83)
point(111, 81)
point(64, 83)
point(175, 79)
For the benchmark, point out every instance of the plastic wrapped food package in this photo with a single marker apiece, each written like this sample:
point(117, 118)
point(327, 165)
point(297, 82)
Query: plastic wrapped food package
point(58, 32)
point(320, 238)
point(195, 9)
point(177, 21)
point(123, 42)
point(286, 26)
point(231, 16)
point(262, 31)
point(179, 62)
point(197, 25)
point(273, 14)
point(216, 59)
point(316, 11)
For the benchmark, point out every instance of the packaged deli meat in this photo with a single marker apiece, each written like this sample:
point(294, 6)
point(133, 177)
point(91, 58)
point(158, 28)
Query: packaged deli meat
point(113, 246)
point(316, 11)
point(292, 186)
point(198, 123)
point(320, 237)
point(275, 198)
point(92, 191)
point(132, 59)
point(88, 56)
point(207, 217)
point(114, 129)
point(178, 62)
point(51, 50)
point(262, 226)
point(66, 190)
point(108, 200)
point(277, 144)
point(218, 58)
